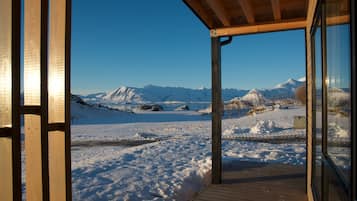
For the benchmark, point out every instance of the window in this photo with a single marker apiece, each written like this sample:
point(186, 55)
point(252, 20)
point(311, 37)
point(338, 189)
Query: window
point(338, 83)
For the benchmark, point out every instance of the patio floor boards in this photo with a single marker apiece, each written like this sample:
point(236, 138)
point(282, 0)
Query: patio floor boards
point(249, 181)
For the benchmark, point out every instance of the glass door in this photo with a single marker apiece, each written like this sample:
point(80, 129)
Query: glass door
point(332, 105)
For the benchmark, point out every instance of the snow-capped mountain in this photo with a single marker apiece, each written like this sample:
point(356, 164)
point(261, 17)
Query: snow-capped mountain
point(254, 97)
point(152, 94)
point(124, 94)
point(283, 90)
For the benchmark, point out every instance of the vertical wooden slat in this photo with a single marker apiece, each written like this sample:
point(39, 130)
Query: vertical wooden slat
point(6, 187)
point(57, 166)
point(32, 124)
point(5, 63)
point(33, 157)
point(216, 111)
point(6, 180)
point(35, 93)
point(56, 103)
point(10, 151)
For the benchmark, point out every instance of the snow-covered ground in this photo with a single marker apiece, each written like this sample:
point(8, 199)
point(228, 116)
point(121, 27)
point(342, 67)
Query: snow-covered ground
point(176, 163)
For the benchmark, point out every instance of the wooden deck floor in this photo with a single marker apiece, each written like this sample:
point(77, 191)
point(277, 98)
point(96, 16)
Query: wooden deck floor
point(247, 181)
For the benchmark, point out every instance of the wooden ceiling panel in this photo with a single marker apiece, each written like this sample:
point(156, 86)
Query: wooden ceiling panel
point(275, 4)
point(263, 11)
point(235, 12)
point(250, 15)
point(293, 9)
point(248, 10)
point(218, 8)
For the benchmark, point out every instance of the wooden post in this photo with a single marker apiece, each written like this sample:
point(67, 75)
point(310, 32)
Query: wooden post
point(16, 113)
point(68, 100)
point(216, 111)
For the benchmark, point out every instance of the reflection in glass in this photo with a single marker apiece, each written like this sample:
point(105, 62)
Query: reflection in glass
point(317, 108)
point(338, 85)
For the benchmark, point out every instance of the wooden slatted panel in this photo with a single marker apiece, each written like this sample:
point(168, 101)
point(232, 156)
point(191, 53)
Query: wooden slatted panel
point(247, 181)
point(219, 14)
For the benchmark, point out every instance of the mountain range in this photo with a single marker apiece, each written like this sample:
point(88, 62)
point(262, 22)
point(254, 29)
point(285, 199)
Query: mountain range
point(152, 94)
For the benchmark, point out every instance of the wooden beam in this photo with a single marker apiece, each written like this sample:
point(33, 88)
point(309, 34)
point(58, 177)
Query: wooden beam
point(344, 19)
point(216, 111)
point(301, 24)
point(200, 12)
point(248, 11)
point(275, 4)
point(219, 10)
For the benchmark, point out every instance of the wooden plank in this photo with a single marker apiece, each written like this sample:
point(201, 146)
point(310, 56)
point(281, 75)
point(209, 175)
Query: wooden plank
point(232, 31)
point(276, 9)
point(56, 102)
point(6, 64)
point(216, 111)
point(200, 12)
point(336, 20)
point(56, 58)
point(219, 11)
point(35, 94)
point(33, 158)
point(248, 11)
point(57, 166)
point(6, 169)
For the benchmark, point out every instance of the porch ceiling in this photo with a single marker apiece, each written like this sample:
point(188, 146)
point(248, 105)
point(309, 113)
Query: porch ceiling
point(235, 17)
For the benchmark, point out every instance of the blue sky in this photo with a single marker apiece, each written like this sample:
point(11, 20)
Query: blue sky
point(161, 42)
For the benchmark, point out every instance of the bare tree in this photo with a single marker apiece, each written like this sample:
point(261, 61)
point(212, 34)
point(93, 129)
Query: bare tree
point(300, 94)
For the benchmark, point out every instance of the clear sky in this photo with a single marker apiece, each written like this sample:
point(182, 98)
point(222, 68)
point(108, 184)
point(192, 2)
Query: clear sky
point(161, 42)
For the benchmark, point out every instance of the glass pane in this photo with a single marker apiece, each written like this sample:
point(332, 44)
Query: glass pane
point(338, 83)
point(5, 63)
point(317, 109)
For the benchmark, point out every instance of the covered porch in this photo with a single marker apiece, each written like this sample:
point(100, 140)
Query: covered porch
point(247, 181)
point(225, 20)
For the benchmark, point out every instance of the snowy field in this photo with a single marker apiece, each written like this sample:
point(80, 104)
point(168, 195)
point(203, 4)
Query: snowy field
point(171, 160)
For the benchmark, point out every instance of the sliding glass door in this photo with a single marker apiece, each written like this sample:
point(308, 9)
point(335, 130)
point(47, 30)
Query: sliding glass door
point(332, 105)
